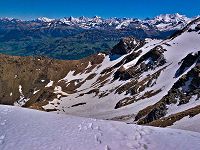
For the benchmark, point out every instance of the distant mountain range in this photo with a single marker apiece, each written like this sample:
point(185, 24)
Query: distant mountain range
point(75, 38)
point(165, 22)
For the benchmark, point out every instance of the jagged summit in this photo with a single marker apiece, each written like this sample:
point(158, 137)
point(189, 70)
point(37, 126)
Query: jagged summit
point(162, 22)
point(126, 45)
point(168, 21)
point(191, 26)
point(170, 17)
point(44, 19)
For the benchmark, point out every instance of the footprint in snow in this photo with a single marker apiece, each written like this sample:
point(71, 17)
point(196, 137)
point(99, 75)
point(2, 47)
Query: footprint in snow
point(90, 125)
point(97, 128)
point(4, 112)
point(80, 127)
point(107, 147)
point(93, 119)
point(133, 145)
point(2, 137)
point(85, 128)
point(97, 139)
point(3, 123)
point(147, 130)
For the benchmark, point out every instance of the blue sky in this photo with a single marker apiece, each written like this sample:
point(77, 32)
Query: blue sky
point(28, 9)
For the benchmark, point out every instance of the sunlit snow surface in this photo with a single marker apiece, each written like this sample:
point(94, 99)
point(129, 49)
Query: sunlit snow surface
point(188, 123)
point(24, 129)
point(176, 49)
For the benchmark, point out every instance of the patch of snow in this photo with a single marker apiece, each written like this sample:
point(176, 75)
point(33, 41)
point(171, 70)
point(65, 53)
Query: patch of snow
point(188, 123)
point(22, 101)
point(174, 108)
point(89, 65)
point(58, 90)
point(41, 131)
point(35, 91)
point(45, 19)
point(49, 84)
point(52, 104)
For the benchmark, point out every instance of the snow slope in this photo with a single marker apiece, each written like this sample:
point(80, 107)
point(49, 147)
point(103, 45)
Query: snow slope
point(22, 129)
point(188, 123)
point(103, 108)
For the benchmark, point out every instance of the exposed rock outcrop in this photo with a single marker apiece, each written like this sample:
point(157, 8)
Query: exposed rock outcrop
point(187, 87)
point(126, 45)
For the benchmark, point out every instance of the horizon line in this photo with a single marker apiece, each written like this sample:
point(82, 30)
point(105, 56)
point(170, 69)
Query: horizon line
point(57, 18)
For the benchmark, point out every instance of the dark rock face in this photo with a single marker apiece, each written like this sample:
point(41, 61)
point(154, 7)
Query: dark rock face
point(154, 57)
point(156, 113)
point(196, 29)
point(124, 102)
point(126, 45)
point(187, 62)
point(123, 74)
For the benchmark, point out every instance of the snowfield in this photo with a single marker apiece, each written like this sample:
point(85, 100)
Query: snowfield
point(186, 43)
point(188, 123)
point(25, 129)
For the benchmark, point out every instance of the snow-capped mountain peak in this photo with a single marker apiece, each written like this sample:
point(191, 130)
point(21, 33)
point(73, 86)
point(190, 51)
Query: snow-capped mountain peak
point(166, 22)
point(171, 17)
point(163, 22)
point(9, 19)
point(44, 19)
